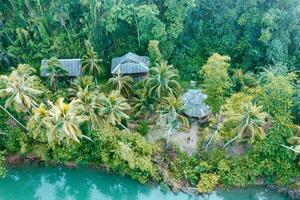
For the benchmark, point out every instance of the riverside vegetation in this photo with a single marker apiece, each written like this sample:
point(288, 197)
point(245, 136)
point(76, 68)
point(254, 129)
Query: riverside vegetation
point(245, 55)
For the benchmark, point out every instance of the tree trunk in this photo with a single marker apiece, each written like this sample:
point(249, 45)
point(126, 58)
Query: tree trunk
point(18, 122)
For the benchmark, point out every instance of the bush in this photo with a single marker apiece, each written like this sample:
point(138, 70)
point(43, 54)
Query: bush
point(238, 171)
point(2, 165)
point(81, 153)
point(15, 140)
point(207, 182)
point(142, 128)
point(126, 152)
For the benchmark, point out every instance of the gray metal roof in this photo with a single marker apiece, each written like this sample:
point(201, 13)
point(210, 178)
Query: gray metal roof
point(130, 63)
point(73, 66)
point(194, 105)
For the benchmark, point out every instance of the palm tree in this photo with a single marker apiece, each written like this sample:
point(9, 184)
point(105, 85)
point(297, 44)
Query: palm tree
point(121, 83)
point(63, 121)
point(175, 105)
point(113, 107)
point(162, 81)
point(91, 61)
point(24, 70)
point(249, 123)
point(54, 71)
point(144, 105)
point(36, 123)
point(91, 106)
point(243, 80)
point(20, 89)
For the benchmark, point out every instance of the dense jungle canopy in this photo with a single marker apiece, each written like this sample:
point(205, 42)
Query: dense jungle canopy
point(254, 33)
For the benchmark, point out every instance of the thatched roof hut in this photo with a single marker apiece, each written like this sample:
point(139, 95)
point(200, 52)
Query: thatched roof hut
point(131, 64)
point(194, 105)
point(73, 66)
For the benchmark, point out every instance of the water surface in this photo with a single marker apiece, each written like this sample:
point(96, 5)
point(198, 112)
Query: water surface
point(48, 183)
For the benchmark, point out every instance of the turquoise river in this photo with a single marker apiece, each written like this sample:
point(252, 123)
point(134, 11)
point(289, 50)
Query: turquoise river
point(48, 183)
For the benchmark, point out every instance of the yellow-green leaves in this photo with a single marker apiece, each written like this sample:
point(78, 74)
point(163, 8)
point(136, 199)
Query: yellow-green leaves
point(216, 80)
point(60, 123)
point(207, 182)
point(20, 88)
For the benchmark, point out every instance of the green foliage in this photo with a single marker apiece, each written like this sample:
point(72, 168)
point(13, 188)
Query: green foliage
point(15, 140)
point(54, 71)
point(239, 171)
point(243, 80)
point(21, 89)
point(121, 83)
point(277, 97)
point(163, 81)
point(113, 108)
point(249, 124)
point(216, 80)
point(175, 106)
point(154, 52)
point(2, 165)
point(59, 123)
point(296, 108)
point(207, 183)
point(91, 61)
point(251, 33)
point(129, 153)
point(63, 153)
point(142, 128)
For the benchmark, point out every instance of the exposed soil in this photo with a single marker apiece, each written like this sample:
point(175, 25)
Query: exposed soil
point(185, 140)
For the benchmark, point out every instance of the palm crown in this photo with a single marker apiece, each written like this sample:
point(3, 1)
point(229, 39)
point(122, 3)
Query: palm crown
point(20, 89)
point(63, 121)
point(113, 107)
point(162, 81)
point(121, 83)
point(249, 123)
point(91, 61)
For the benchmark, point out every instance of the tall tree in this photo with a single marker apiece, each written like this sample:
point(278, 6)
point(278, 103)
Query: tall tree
point(216, 80)
point(113, 108)
point(123, 84)
point(54, 71)
point(21, 89)
point(91, 106)
point(91, 62)
point(249, 124)
point(163, 81)
point(63, 122)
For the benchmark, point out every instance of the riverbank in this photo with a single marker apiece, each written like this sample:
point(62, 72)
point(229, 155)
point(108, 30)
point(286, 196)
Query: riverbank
point(175, 186)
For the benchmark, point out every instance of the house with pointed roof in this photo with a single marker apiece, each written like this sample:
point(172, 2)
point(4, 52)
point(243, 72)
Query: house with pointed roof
point(72, 66)
point(194, 105)
point(131, 64)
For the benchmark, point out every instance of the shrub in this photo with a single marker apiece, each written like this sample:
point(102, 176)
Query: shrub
point(126, 152)
point(238, 171)
point(2, 165)
point(207, 182)
point(142, 128)
point(15, 140)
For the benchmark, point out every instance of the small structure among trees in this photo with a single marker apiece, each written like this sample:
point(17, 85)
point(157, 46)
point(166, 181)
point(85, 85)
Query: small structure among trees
point(73, 67)
point(194, 105)
point(131, 64)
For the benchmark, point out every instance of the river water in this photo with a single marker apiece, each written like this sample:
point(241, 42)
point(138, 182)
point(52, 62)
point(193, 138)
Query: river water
point(49, 183)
